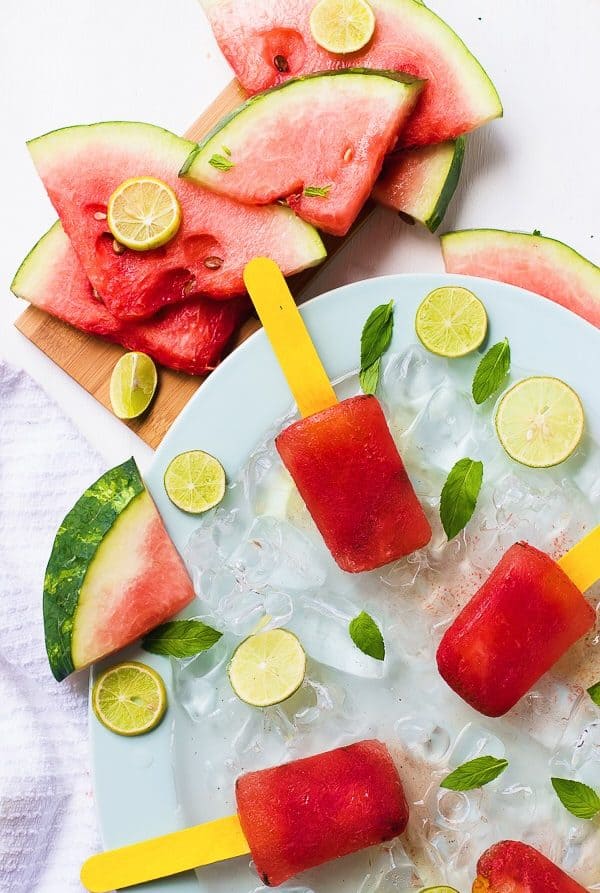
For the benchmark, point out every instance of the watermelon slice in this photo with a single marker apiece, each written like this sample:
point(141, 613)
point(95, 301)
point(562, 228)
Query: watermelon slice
point(268, 41)
point(348, 120)
point(82, 166)
point(189, 337)
point(534, 262)
point(420, 182)
point(113, 573)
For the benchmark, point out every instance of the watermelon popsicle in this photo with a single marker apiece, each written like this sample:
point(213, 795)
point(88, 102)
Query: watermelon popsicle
point(514, 866)
point(341, 455)
point(526, 615)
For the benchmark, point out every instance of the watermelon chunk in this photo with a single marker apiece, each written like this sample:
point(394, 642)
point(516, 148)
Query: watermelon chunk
point(420, 182)
point(514, 867)
point(81, 167)
point(348, 120)
point(268, 41)
point(534, 262)
point(113, 573)
point(189, 337)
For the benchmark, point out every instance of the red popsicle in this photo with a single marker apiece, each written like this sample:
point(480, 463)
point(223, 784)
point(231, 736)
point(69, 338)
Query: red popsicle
point(523, 619)
point(351, 477)
point(310, 811)
point(512, 867)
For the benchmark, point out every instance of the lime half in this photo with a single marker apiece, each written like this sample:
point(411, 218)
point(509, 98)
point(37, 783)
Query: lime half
point(342, 26)
point(540, 421)
point(132, 385)
point(129, 699)
point(143, 213)
point(195, 481)
point(451, 321)
point(267, 668)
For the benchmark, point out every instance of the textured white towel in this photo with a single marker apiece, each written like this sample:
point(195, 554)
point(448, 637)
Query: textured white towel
point(47, 821)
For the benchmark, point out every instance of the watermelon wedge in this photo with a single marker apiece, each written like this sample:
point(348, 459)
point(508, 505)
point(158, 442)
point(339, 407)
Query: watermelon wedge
point(81, 166)
point(189, 337)
point(534, 262)
point(421, 182)
point(348, 120)
point(268, 41)
point(113, 574)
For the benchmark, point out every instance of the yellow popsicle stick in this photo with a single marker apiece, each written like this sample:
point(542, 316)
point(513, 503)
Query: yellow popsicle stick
point(289, 337)
point(164, 856)
point(582, 562)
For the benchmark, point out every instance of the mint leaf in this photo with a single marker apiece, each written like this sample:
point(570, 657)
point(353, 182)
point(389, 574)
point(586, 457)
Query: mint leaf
point(374, 341)
point(536, 232)
point(578, 798)
point(317, 191)
point(221, 162)
point(459, 495)
point(492, 371)
point(594, 693)
point(474, 774)
point(181, 638)
point(369, 377)
point(366, 635)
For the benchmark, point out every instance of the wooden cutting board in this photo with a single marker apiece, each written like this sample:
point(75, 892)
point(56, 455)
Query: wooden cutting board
point(90, 361)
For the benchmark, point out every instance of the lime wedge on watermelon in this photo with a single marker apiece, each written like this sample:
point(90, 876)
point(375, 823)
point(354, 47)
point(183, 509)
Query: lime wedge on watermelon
point(268, 41)
point(347, 120)
point(82, 166)
point(52, 279)
point(534, 262)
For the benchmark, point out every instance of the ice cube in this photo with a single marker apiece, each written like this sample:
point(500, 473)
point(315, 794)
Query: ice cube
point(423, 737)
point(440, 432)
point(475, 741)
point(410, 377)
point(277, 554)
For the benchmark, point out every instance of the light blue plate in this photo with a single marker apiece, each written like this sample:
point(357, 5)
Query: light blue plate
point(135, 792)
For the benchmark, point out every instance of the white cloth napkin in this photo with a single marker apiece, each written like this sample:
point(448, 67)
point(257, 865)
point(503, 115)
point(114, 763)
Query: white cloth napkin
point(47, 819)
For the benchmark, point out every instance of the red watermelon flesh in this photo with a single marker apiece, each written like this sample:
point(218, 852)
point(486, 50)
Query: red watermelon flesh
point(514, 867)
point(544, 266)
point(82, 166)
point(261, 38)
point(189, 337)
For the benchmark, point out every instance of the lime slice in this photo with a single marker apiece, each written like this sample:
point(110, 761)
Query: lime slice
point(267, 668)
point(129, 699)
point(195, 481)
point(132, 385)
point(143, 213)
point(342, 26)
point(540, 421)
point(441, 889)
point(451, 321)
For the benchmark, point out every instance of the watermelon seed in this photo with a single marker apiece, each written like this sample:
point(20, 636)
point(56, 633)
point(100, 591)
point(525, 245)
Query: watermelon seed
point(349, 154)
point(118, 248)
point(213, 263)
point(99, 215)
point(281, 63)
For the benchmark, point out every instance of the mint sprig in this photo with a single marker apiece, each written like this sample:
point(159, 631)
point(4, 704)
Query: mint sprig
point(375, 340)
point(221, 162)
point(491, 372)
point(317, 191)
point(181, 638)
point(366, 635)
point(459, 495)
point(369, 377)
point(594, 693)
point(474, 774)
point(578, 798)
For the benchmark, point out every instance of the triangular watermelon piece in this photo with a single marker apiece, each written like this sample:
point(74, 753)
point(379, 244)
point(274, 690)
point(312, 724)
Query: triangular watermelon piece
point(268, 41)
point(346, 122)
point(189, 337)
point(82, 166)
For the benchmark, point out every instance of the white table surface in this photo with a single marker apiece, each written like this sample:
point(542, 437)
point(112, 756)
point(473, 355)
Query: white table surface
point(72, 61)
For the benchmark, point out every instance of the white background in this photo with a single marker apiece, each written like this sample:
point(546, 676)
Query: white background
point(72, 61)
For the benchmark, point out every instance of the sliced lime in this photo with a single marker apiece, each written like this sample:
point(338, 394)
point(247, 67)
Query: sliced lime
point(195, 481)
point(143, 213)
point(540, 421)
point(451, 321)
point(441, 889)
point(342, 26)
point(267, 668)
point(129, 698)
point(132, 385)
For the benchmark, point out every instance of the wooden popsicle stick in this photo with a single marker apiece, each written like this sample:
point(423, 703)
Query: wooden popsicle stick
point(164, 856)
point(291, 343)
point(582, 562)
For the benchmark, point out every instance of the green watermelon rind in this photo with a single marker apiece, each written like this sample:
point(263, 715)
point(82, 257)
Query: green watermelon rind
point(75, 545)
point(258, 98)
point(35, 262)
point(449, 187)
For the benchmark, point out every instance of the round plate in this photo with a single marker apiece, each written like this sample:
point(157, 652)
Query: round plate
point(134, 778)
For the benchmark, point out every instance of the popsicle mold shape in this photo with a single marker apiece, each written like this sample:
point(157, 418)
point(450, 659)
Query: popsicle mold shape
point(512, 867)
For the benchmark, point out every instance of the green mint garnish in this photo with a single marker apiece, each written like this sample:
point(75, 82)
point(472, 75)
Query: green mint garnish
point(221, 162)
point(375, 340)
point(578, 798)
point(594, 693)
point(366, 635)
point(537, 232)
point(317, 191)
point(474, 774)
point(181, 638)
point(492, 371)
point(459, 495)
